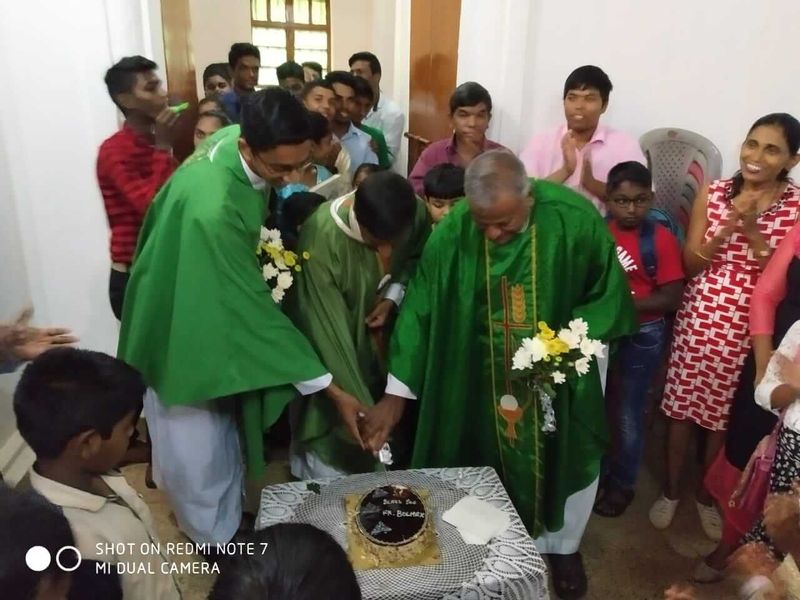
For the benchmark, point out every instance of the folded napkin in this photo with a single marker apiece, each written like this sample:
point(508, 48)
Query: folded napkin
point(477, 521)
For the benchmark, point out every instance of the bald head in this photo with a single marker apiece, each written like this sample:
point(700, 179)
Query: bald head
point(495, 173)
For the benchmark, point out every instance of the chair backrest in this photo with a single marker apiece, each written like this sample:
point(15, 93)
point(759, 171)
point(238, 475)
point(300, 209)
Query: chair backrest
point(416, 145)
point(682, 162)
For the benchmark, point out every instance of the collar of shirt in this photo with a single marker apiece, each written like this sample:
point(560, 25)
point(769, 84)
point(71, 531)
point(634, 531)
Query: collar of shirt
point(351, 133)
point(351, 228)
point(70, 497)
point(599, 135)
point(452, 150)
point(138, 138)
point(381, 103)
point(255, 180)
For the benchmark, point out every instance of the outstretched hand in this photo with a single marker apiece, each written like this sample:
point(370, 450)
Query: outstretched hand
point(23, 342)
point(380, 420)
point(380, 313)
point(350, 411)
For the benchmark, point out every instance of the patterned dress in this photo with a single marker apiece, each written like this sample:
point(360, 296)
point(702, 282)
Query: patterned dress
point(711, 338)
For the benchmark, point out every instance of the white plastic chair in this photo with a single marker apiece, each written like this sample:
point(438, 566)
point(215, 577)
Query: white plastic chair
point(682, 162)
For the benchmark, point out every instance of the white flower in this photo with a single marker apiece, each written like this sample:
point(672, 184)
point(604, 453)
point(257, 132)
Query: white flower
point(570, 338)
point(270, 235)
point(277, 295)
point(591, 348)
point(269, 271)
point(559, 377)
point(535, 347)
point(280, 264)
point(522, 360)
point(579, 327)
point(285, 281)
point(582, 366)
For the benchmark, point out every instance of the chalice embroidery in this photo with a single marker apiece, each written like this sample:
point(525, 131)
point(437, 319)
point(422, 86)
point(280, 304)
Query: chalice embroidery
point(512, 412)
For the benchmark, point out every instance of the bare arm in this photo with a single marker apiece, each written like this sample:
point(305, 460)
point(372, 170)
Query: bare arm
point(664, 299)
point(762, 349)
point(697, 254)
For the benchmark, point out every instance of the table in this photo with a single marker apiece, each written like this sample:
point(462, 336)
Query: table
point(508, 568)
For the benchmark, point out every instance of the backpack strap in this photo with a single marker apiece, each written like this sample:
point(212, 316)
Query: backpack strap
point(647, 247)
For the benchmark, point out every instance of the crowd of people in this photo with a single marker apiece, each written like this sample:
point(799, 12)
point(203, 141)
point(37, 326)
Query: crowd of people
point(409, 297)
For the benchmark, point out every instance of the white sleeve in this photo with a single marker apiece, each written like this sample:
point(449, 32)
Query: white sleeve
point(395, 387)
point(395, 292)
point(312, 386)
point(393, 132)
point(788, 349)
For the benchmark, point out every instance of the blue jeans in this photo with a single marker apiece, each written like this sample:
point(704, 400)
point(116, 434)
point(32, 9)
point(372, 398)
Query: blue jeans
point(637, 360)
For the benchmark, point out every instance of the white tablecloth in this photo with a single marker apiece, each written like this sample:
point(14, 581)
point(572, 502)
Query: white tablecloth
point(510, 568)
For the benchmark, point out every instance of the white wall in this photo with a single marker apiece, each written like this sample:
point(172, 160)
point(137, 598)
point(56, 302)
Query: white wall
point(54, 229)
point(712, 66)
point(215, 26)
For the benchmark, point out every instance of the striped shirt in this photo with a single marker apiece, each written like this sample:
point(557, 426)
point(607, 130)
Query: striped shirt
point(130, 171)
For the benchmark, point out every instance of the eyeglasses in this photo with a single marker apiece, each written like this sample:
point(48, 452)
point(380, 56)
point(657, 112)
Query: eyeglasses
point(637, 201)
point(278, 170)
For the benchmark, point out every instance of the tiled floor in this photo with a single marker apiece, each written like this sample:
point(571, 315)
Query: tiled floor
point(626, 558)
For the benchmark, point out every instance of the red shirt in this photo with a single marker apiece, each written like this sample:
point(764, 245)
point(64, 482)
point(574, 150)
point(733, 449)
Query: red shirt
point(130, 171)
point(669, 265)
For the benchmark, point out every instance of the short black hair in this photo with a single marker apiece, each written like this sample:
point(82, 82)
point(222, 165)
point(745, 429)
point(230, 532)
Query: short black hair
point(290, 69)
point(274, 117)
point(444, 181)
point(121, 78)
point(298, 207)
point(589, 77)
point(241, 49)
point(205, 101)
point(221, 69)
point(368, 168)
point(470, 94)
point(385, 205)
point(362, 88)
point(313, 65)
point(28, 520)
point(301, 562)
point(66, 391)
point(320, 126)
point(223, 118)
point(374, 63)
point(631, 171)
point(312, 85)
point(343, 77)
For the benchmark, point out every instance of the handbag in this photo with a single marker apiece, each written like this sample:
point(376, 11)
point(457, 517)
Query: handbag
point(751, 491)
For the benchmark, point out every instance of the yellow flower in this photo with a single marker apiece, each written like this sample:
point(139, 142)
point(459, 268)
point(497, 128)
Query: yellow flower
point(306, 255)
point(556, 347)
point(298, 268)
point(545, 332)
point(290, 258)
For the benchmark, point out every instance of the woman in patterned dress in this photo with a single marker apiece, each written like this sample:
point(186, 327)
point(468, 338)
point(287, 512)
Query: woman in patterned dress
point(735, 226)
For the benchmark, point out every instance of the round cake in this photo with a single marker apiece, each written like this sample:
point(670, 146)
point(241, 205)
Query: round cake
point(393, 524)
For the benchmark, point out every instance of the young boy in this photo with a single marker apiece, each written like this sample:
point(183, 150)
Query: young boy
point(443, 186)
point(651, 257)
point(76, 409)
point(580, 152)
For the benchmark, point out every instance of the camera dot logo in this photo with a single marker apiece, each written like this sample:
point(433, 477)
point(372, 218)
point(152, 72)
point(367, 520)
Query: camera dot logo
point(38, 558)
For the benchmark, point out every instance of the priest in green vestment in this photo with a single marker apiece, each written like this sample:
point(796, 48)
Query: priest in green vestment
point(516, 253)
point(199, 322)
point(363, 248)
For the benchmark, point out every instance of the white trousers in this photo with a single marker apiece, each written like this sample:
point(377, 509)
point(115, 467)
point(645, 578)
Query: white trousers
point(197, 463)
point(578, 507)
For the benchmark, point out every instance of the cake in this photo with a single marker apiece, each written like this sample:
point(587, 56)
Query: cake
point(392, 527)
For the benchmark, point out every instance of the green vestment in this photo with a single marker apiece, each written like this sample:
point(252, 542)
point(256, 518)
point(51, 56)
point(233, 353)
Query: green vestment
point(459, 329)
point(333, 295)
point(199, 322)
point(384, 157)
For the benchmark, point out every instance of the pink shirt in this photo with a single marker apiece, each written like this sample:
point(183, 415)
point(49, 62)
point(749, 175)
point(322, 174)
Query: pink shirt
point(607, 148)
point(771, 287)
point(443, 151)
